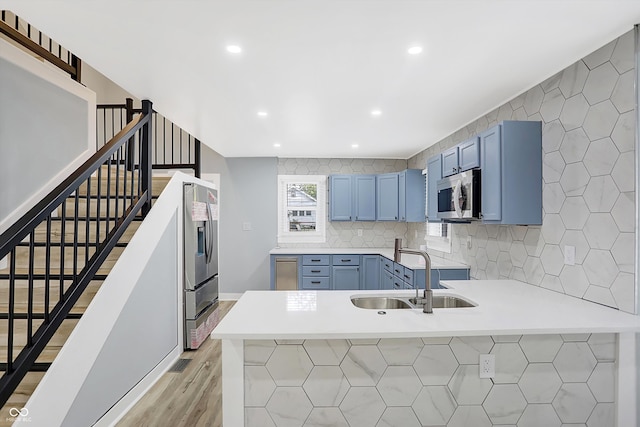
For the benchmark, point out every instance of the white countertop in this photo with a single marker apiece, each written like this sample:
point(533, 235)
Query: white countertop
point(414, 262)
point(505, 307)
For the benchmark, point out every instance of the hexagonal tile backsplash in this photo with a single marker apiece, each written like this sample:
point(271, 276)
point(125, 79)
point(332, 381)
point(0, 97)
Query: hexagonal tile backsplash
point(587, 111)
point(541, 380)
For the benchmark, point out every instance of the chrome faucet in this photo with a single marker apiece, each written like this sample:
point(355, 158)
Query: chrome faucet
point(428, 293)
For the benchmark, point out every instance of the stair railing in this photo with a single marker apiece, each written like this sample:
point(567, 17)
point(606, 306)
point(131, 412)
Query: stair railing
point(73, 255)
point(172, 147)
point(39, 43)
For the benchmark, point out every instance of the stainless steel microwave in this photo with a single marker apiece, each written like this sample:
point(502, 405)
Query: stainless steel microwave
point(459, 196)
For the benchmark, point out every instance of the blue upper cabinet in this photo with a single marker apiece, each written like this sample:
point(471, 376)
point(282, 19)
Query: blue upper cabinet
point(469, 154)
point(462, 157)
point(365, 197)
point(352, 197)
point(434, 174)
point(450, 161)
point(340, 198)
point(387, 197)
point(511, 163)
point(397, 196)
point(411, 197)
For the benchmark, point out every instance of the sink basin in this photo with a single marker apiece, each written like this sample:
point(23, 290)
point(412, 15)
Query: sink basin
point(388, 303)
point(380, 303)
point(443, 301)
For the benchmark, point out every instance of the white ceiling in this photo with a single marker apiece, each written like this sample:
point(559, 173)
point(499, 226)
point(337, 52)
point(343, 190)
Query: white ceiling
point(319, 67)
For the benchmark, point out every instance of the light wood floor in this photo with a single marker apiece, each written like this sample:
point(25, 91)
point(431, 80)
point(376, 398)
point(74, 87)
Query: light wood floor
point(189, 398)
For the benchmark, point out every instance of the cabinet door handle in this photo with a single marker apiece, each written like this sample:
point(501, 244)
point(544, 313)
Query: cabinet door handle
point(406, 277)
point(315, 283)
point(315, 271)
point(315, 260)
point(346, 260)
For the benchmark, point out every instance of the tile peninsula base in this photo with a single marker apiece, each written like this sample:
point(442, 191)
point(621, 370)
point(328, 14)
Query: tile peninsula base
point(547, 379)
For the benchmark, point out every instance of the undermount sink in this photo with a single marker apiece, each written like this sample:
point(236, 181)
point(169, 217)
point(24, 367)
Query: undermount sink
point(379, 303)
point(389, 303)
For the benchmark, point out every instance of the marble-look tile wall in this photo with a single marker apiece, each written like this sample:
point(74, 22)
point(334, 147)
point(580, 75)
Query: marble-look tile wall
point(588, 117)
point(344, 234)
point(541, 380)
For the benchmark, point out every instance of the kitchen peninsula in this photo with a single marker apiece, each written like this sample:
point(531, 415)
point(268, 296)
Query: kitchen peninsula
point(297, 357)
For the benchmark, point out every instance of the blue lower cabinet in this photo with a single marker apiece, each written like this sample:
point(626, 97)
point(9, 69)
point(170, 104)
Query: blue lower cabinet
point(370, 272)
point(386, 280)
point(315, 283)
point(345, 277)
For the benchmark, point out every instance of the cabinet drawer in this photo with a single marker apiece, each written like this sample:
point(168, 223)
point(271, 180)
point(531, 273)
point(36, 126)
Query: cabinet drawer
point(408, 275)
point(398, 270)
point(337, 260)
point(315, 271)
point(315, 283)
point(454, 274)
point(397, 283)
point(387, 264)
point(315, 259)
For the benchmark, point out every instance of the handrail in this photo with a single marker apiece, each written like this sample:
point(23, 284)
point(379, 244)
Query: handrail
point(172, 148)
point(131, 195)
point(72, 65)
point(21, 229)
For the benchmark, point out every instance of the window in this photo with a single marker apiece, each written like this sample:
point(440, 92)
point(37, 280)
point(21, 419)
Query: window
point(302, 208)
point(438, 235)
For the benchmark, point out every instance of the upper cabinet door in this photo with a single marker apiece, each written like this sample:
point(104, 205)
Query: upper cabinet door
point(387, 197)
point(434, 174)
point(402, 196)
point(469, 154)
point(450, 162)
point(340, 198)
point(491, 187)
point(365, 200)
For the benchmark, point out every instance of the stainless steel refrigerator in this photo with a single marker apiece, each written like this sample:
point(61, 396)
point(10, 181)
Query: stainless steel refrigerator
point(200, 263)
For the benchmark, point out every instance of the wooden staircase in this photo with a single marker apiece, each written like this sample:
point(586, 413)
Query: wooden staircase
point(89, 222)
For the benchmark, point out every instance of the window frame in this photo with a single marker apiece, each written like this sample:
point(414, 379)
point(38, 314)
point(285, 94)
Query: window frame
point(285, 235)
point(434, 230)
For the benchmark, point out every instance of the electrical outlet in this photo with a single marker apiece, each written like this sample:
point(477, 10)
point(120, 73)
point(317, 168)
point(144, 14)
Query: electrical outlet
point(359, 232)
point(570, 255)
point(487, 365)
point(468, 242)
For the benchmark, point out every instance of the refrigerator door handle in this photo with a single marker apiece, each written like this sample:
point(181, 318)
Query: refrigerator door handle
point(209, 234)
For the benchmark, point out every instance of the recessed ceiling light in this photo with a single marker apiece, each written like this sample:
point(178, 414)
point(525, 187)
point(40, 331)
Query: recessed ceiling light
point(354, 145)
point(276, 145)
point(263, 113)
point(376, 112)
point(234, 49)
point(414, 50)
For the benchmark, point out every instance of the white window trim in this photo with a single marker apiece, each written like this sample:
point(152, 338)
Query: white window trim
point(435, 242)
point(286, 236)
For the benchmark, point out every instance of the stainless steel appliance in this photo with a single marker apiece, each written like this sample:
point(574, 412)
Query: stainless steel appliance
point(286, 274)
point(459, 196)
point(200, 263)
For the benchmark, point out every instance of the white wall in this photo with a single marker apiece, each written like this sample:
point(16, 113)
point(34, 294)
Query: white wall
point(248, 199)
point(47, 130)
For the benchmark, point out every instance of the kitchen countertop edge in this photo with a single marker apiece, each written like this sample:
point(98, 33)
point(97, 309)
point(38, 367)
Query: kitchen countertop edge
point(504, 307)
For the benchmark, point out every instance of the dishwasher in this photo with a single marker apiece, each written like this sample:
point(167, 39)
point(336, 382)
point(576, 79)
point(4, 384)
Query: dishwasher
point(286, 274)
